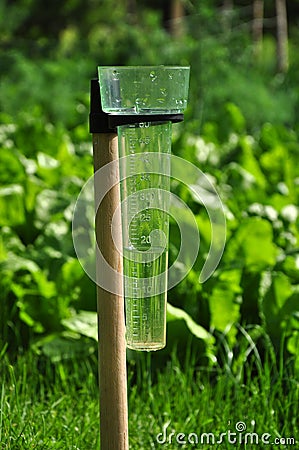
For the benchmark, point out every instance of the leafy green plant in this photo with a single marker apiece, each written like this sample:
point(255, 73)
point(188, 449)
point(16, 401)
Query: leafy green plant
point(43, 287)
point(256, 284)
point(41, 277)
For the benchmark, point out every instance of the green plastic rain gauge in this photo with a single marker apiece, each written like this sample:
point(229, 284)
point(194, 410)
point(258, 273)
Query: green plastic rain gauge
point(142, 103)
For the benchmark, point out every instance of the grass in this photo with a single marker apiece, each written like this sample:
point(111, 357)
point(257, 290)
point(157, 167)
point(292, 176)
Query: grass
point(56, 407)
point(42, 408)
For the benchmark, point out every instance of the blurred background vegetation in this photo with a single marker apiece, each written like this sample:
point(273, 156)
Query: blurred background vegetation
point(241, 129)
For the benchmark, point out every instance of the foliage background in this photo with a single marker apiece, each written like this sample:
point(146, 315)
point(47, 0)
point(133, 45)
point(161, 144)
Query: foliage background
point(241, 129)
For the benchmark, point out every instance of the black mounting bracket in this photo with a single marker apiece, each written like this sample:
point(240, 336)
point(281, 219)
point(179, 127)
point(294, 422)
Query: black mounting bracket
point(101, 122)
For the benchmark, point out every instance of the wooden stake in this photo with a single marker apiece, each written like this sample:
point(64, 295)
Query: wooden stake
point(111, 321)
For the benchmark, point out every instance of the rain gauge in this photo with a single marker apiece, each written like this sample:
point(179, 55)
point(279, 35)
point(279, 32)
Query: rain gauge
point(142, 102)
point(131, 114)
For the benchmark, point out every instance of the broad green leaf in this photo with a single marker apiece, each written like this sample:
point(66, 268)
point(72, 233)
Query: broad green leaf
point(243, 187)
point(48, 169)
point(63, 346)
point(29, 164)
point(46, 161)
point(197, 330)
point(293, 344)
point(84, 322)
point(279, 291)
point(290, 213)
point(14, 263)
point(46, 288)
point(277, 304)
point(249, 162)
point(32, 186)
point(238, 122)
point(50, 205)
point(252, 245)
point(12, 205)
point(71, 272)
point(10, 166)
point(269, 136)
point(224, 302)
point(278, 167)
point(290, 267)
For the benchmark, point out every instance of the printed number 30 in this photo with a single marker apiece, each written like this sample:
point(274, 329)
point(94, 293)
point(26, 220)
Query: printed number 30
point(145, 218)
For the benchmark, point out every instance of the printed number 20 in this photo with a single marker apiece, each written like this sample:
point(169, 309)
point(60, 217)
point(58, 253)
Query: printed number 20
point(145, 239)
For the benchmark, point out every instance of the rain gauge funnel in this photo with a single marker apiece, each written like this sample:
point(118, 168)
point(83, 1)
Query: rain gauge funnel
point(141, 104)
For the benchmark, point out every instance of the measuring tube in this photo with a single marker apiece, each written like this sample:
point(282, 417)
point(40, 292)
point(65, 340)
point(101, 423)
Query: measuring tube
point(141, 92)
point(145, 222)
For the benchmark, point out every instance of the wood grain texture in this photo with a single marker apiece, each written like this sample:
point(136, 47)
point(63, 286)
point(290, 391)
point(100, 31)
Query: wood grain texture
point(111, 320)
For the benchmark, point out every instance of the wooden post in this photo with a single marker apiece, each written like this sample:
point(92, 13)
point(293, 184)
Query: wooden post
point(111, 321)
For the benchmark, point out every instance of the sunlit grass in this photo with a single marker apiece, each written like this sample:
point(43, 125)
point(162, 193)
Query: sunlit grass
point(46, 407)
